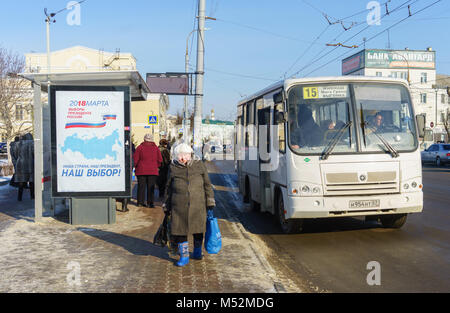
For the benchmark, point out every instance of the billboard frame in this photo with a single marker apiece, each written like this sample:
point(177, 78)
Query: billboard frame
point(189, 77)
point(126, 147)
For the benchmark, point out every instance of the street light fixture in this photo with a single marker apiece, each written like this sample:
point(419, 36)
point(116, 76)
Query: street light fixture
point(186, 101)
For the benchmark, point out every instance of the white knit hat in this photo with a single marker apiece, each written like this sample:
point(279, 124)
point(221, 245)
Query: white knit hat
point(148, 137)
point(181, 149)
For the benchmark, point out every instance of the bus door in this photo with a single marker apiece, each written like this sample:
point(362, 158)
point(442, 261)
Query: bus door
point(264, 147)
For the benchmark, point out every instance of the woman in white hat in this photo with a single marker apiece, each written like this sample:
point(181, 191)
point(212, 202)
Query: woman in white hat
point(189, 196)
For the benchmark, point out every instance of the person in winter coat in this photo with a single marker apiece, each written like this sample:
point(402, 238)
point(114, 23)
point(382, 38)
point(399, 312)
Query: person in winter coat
point(13, 151)
point(25, 165)
point(189, 196)
point(164, 168)
point(147, 160)
point(308, 133)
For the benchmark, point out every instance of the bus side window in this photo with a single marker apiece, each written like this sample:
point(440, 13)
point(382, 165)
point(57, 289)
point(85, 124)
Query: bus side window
point(244, 124)
point(251, 123)
point(281, 130)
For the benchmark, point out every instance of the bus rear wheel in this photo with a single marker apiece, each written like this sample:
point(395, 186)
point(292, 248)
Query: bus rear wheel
point(394, 220)
point(288, 226)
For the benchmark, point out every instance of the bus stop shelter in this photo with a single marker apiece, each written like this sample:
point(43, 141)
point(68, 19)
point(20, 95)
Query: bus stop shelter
point(138, 90)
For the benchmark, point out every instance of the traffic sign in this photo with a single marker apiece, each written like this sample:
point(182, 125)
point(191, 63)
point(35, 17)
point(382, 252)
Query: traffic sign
point(153, 120)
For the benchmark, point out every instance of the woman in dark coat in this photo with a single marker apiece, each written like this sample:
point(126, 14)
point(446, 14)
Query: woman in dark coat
point(25, 165)
point(164, 168)
point(189, 196)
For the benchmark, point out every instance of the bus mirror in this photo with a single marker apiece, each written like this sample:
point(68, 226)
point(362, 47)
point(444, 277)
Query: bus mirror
point(421, 122)
point(280, 117)
point(278, 97)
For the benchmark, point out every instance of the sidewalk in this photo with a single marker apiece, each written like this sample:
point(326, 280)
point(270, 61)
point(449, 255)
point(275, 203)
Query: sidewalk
point(46, 256)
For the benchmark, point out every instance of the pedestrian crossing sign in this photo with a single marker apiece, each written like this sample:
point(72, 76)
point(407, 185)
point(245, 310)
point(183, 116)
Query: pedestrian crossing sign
point(152, 120)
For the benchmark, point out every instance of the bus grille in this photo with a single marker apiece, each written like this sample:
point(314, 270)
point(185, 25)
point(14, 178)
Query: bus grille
point(340, 184)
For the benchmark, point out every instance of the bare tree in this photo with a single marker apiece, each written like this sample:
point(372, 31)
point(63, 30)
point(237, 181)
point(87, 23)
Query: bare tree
point(15, 97)
point(447, 124)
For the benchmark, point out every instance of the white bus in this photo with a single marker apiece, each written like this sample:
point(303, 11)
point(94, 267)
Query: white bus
point(345, 146)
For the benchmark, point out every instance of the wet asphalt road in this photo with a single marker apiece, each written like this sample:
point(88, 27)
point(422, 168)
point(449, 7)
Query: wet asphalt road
point(331, 255)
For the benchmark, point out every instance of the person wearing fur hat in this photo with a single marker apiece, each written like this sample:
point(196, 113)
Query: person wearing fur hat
point(189, 196)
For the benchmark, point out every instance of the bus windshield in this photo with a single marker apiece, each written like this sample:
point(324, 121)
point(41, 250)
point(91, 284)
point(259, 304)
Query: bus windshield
point(322, 118)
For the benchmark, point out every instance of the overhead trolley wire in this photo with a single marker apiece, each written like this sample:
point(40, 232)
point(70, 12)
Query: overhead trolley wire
point(265, 31)
point(376, 35)
point(314, 60)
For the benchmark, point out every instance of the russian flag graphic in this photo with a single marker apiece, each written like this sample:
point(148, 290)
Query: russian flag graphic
point(85, 125)
point(109, 117)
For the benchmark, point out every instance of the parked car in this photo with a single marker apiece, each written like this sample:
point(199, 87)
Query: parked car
point(227, 149)
point(3, 147)
point(211, 148)
point(438, 154)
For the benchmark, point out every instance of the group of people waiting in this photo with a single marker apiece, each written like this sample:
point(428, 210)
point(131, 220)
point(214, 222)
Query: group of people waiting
point(22, 157)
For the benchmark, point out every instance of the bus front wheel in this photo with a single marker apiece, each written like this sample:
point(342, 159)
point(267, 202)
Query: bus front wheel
point(394, 220)
point(288, 226)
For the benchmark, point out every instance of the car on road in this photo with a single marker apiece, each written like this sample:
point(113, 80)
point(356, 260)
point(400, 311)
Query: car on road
point(3, 147)
point(227, 149)
point(438, 154)
point(210, 148)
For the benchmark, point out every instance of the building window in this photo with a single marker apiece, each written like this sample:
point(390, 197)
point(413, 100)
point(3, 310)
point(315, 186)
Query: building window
point(423, 98)
point(19, 113)
point(442, 98)
point(423, 78)
point(379, 74)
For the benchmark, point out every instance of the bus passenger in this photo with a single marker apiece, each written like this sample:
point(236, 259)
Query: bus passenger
point(308, 133)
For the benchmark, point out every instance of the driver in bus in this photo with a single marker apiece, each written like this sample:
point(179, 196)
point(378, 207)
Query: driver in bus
point(378, 124)
point(308, 133)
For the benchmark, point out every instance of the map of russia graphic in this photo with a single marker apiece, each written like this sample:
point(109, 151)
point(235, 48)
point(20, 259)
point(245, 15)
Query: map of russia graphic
point(93, 148)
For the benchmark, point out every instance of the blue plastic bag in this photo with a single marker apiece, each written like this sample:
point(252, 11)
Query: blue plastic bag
point(213, 237)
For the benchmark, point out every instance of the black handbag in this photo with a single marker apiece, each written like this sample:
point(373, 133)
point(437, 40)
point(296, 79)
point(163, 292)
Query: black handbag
point(13, 183)
point(162, 236)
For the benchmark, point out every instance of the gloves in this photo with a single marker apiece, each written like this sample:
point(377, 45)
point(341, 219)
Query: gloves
point(210, 211)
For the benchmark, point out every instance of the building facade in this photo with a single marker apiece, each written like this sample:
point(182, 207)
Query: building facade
point(146, 116)
point(429, 94)
point(220, 132)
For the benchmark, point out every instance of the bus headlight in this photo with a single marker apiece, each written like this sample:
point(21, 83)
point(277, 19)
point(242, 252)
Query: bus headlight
point(304, 189)
point(412, 185)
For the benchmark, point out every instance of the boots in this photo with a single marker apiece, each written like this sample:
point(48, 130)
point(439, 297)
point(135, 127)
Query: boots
point(198, 242)
point(32, 191)
point(20, 194)
point(183, 249)
point(197, 253)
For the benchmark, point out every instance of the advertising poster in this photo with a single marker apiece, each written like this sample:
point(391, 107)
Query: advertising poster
point(90, 142)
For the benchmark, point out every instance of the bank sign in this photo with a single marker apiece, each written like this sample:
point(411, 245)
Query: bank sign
point(89, 141)
point(389, 59)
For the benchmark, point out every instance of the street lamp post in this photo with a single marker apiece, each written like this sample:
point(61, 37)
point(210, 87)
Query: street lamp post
point(186, 100)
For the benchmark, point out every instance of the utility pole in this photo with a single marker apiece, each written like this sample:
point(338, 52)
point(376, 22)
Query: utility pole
point(198, 109)
point(186, 128)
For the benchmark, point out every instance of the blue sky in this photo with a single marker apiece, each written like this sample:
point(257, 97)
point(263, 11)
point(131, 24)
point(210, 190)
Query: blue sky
point(252, 43)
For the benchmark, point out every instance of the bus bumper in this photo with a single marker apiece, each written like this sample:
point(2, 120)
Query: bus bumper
point(321, 207)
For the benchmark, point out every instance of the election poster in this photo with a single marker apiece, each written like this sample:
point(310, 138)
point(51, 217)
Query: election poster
point(89, 141)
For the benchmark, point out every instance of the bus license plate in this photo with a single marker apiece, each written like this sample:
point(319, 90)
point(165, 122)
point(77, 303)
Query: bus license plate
point(364, 204)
